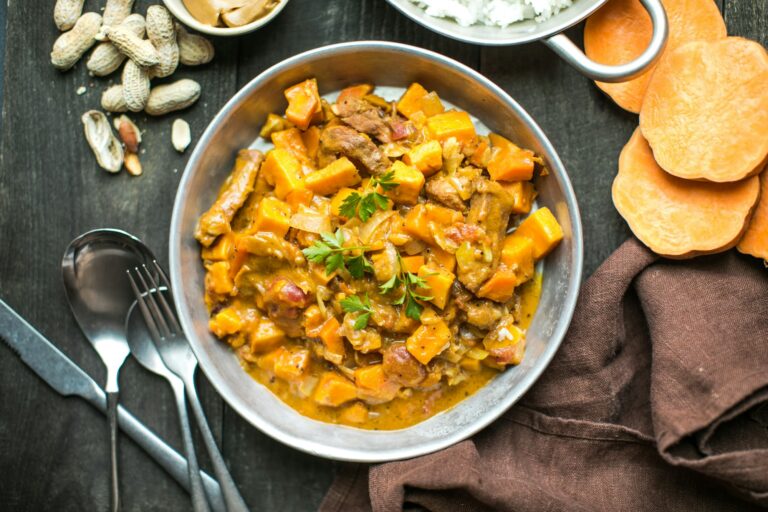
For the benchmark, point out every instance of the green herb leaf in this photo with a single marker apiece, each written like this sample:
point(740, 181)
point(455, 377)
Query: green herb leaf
point(333, 239)
point(385, 181)
point(355, 304)
point(362, 321)
point(381, 201)
point(413, 309)
point(358, 265)
point(317, 252)
point(390, 285)
point(349, 206)
point(367, 207)
point(330, 251)
point(334, 262)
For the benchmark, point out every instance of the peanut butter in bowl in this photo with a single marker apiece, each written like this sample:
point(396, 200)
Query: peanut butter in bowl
point(229, 13)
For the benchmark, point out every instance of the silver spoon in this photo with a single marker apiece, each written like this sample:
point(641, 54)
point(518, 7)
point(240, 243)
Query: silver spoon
point(93, 269)
point(143, 349)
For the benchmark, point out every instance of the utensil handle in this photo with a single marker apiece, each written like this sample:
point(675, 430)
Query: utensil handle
point(232, 497)
point(199, 502)
point(168, 458)
point(565, 48)
point(165, 456)
point(112, 400)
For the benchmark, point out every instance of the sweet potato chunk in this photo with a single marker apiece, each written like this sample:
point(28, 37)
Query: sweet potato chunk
point(543, 230)
point(409, 183)
point(334, 390)
point(417, 99)
point(332, 178)
point(266, 336)
point(332, 340)
point(272, 215)
point(679, 218)
point(451, 124)
point(508, 162)
point(291, 141)
point(755, 239)
point(621, 30)
point(705, 113)
point(283, 170)
point(500, 287)
point(428, 341)
point(303, 103)
point(426, 157)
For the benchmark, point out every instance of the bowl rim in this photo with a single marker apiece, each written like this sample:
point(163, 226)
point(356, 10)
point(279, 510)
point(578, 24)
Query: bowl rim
point(181, 13)
point(317, 448)
point(431, 23)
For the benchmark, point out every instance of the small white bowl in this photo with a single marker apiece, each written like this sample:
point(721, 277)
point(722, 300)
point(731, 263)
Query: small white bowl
point(181, 13)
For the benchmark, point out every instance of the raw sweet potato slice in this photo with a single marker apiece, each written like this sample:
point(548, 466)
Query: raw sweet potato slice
point(755, 239)
point(705, 112)
point(679, 218)
point(621, 30)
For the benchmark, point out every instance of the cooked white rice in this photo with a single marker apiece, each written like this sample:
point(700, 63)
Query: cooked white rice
point(492, 12)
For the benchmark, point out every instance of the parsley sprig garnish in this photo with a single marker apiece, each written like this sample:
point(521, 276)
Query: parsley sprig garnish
point(330, 251)
point(354, 304)
point(365, 205)
point(410, 283)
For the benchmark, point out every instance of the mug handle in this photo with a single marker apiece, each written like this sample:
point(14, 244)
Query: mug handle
point(565, 48)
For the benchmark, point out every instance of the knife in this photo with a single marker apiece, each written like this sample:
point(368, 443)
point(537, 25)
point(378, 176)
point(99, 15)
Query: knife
point(68, 379)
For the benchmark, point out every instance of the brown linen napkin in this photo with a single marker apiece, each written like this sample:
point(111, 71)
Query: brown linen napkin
point(656, 400)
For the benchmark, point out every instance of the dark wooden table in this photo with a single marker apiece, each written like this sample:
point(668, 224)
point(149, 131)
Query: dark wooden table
point(53, 451)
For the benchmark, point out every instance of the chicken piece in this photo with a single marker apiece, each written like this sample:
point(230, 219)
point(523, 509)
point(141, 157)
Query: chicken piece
point(388, 318)
point(453, 190)
point(354, 145)
point(489, 209)
point(285, 303)
point(362, 340)
point(483, 314)
point(268, 245)
point(443, 190)
point(216, 221)
point(363, 117)
point(401, 367)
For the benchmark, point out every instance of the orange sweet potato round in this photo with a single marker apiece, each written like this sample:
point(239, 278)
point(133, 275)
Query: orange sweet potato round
point(755, 239)
point(621, 30)
point(705, 112)
point(679, 218)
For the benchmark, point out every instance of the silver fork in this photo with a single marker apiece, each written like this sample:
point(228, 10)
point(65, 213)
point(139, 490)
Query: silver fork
point(178, 357)
point(147, 355)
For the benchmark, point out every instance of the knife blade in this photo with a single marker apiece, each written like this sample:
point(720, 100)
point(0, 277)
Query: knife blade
point(68, 379)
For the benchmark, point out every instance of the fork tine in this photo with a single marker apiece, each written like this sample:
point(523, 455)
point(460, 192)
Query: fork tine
point(151, 325)
point(153, 307)
point(170, 314)
point(162, 274)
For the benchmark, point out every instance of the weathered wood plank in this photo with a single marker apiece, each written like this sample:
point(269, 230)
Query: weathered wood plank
point(747, 19)
point(54, 451)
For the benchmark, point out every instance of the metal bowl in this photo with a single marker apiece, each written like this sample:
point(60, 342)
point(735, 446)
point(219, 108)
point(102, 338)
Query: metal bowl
point(181, 13)
point(549, 32)
point(237, 125)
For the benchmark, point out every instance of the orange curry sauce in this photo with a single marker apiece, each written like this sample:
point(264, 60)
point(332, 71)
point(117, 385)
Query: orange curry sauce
point(378, 265)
